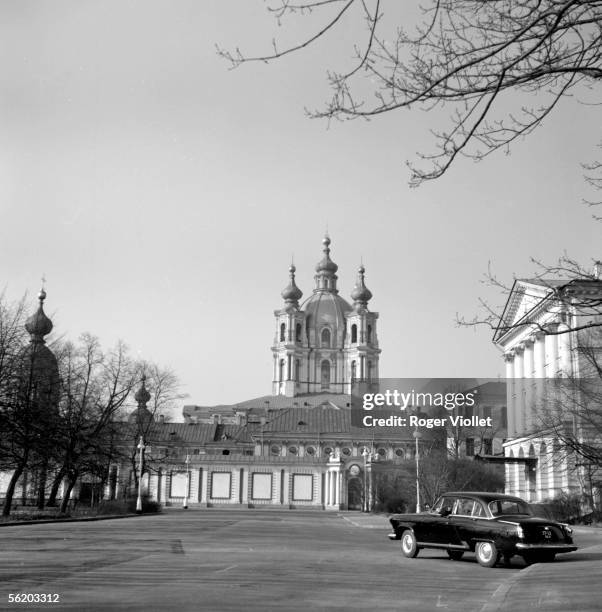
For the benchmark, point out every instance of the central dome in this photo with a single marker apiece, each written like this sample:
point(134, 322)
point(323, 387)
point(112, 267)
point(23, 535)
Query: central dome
point(325, 308)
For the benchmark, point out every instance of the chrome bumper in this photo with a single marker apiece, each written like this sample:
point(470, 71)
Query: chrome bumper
point(551, 547)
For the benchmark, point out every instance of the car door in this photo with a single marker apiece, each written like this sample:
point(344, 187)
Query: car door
point(440, 527)
point(467, 521)
point(462, 521)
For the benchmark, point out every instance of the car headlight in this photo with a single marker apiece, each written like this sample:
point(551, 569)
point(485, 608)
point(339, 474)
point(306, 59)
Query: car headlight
point(568, 529)
point(519, 532)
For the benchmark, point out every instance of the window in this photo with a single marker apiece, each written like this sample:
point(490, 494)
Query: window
point(488, 446)
point(469, 446)
point(292, 450)
point(369, 371)
point(464, 506)
point(399, 452)
point(325, 374)
point(325, 337)
point(478, 510)
point(444, 503)
point(327, 451)
point(381, 452)
point(354, 333)
point(369, 334)
point(298, 332)
point(275, 449)
point(282, 332)
point(297, 368)
point(346, 451)
point(310, 450)
point(505, 506)
point(281, 370)
point(353, 371)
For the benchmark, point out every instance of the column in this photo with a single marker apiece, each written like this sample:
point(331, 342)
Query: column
point(328, 488)
point(564, 351)
point(510, 400)
point(529, 366)
point(551, 348)
point(337, 489)
point(540, 374)
point(519, 401)
point(333, 484)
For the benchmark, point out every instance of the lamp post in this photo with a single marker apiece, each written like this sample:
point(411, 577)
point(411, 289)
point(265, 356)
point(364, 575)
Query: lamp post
point(369, 458)
point(185, 501)
point(417, 436)
point(140, 448)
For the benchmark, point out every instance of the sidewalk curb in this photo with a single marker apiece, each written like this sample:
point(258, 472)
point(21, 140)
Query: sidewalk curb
point(364, 526)
point(499, 596)
point(76, 519)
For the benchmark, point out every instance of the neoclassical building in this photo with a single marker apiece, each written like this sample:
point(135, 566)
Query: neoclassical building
point(546, 336)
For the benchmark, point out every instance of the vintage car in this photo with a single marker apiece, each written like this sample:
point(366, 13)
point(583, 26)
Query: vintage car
point(492, 525)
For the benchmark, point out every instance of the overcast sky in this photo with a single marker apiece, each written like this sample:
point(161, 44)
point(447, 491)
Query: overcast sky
point(163, 194)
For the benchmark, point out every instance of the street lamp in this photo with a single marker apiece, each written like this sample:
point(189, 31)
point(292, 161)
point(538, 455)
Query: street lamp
point(185, 501)
point(368, 457)
point(417, 436)
point(140, 448)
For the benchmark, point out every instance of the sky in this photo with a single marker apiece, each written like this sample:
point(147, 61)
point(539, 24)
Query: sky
point(163, 195)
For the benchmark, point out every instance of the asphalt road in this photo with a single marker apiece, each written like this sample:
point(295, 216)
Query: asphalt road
point(234, 560)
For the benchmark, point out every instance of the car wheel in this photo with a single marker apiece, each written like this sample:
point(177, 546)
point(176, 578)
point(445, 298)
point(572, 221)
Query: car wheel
point(409, 546)
point(455, 555)
point(487, 554)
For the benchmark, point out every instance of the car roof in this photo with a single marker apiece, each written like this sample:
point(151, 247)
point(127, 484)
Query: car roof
point(485, 496)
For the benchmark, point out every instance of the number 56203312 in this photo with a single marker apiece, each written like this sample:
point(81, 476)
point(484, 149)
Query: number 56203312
point(33, 598)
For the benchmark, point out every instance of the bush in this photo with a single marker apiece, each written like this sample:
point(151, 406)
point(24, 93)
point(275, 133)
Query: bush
point(392, 505)
point(566, 507)
point(148, 505)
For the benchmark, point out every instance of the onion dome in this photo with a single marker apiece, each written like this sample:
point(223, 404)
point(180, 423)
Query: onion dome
point(361, 295)
point(141, 417)
point(291, 294)
point(326, 264)
point(142, 395)
point(38, 324)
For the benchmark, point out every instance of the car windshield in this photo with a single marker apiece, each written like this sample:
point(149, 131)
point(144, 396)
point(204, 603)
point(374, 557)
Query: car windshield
point(500, 507)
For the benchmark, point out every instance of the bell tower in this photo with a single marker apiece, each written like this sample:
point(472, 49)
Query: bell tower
point(361, 342)
point(290, 345)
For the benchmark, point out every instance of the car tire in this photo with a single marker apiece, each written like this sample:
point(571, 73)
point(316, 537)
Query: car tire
point(409, 546)
point(455, 555)
point(487, 554)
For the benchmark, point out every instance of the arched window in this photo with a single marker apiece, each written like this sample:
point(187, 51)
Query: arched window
point(353, 371)
point(298, 332)
point(369, 334)
point(354, 333)
point(325, 337)
point(281, 370)
point(282, 332)
point(325, 374)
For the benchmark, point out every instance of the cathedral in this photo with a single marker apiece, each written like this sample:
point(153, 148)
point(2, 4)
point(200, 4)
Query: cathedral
point(296, 447)
point(325, 344)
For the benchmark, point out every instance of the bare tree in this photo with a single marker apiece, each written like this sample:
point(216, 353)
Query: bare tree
point(465, 55)
point(28, 399)
point(163, 387)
